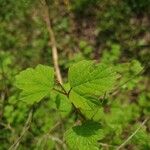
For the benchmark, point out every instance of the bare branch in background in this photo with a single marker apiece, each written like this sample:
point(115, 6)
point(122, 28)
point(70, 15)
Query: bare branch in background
point(15, 145)
point(133, 134)
point(52, 41)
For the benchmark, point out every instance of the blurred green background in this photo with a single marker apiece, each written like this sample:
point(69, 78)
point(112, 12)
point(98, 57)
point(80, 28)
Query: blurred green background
point(113, 32)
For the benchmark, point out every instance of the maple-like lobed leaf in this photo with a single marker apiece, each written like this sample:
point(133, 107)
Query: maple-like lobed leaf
point(88, 82)
point(85, 136)
point(35, 83)
point(87, 78)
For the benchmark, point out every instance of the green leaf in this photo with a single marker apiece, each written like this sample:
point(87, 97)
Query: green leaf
point(35, 83)
point(136, 66)
point(89, 80)
point(63, 105)
point(130, 74)
point(85, 136)
point(89, 106)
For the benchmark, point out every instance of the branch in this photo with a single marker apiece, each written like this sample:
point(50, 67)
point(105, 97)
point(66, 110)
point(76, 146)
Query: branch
point(49, 135)
point(106, 145)
point(60, 92)
point(24, 130)
point(52, 41)
point(131, 136)
point(115, 91)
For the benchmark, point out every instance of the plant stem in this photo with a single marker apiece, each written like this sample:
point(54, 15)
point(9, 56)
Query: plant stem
point(52, 41)
point(64, 93)
point(24, 130)
point(60, 84)
point(131, 136)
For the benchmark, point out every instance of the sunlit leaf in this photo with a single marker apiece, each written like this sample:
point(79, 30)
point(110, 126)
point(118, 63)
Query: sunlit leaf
point(35, 83)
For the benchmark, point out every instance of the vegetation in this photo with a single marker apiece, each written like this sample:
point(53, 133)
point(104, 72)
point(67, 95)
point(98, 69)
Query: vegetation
point(74, 75)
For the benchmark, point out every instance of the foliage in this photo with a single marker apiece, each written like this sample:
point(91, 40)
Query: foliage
point(85, 136)
point(88, 81)
point(35, 83)
point(100, 103)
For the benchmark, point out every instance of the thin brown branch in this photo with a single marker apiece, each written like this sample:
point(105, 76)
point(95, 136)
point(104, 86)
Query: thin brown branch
point(61, 86)
point(52, 41)
point(133, 134)
point(56, 139)
point(60, 92)
point(48, 135)
point(117, 90)
point(15, 145)
point(106, 145)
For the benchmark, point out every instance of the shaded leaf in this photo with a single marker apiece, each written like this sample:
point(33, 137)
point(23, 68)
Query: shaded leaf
point(85, 136)
point(63, 105)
